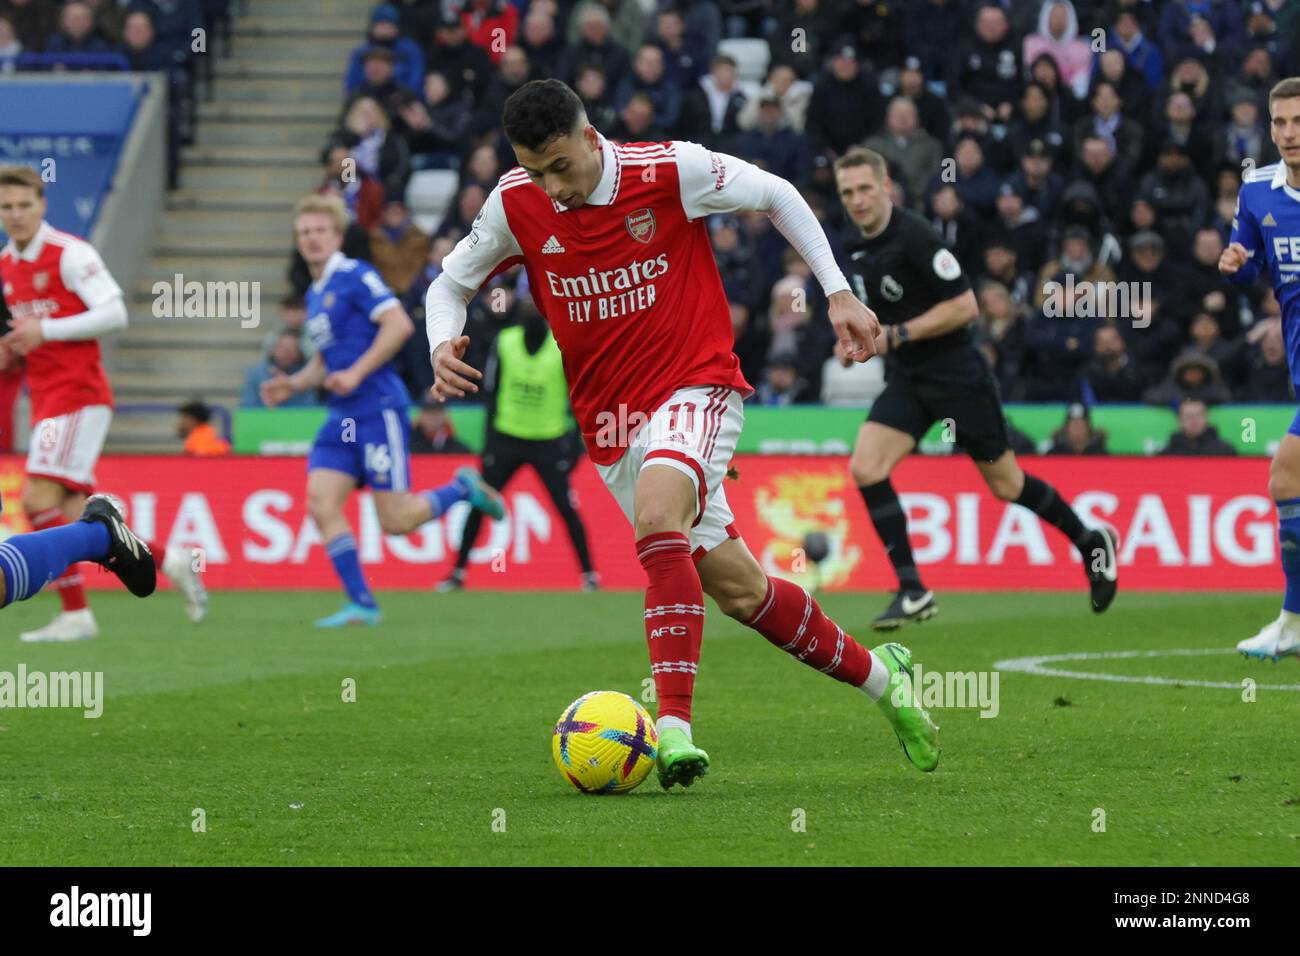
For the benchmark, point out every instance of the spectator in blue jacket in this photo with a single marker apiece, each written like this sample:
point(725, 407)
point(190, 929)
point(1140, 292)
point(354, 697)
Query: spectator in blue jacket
point(408, 60)
point(650, 78)
point(286, 358)
point(1201, 28)
point(1141, 53)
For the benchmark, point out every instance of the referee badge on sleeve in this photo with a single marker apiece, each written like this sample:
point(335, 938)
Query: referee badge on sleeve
point(946, 265)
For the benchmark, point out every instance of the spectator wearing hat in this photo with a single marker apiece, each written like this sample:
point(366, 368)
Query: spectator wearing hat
point(432, 433)
point(812, 21)
point(1124, 136)
point(986, 66)
point(1191, 28)
point(774, 146)
point(384, 31)
point(378, 82)
point(711, 111)
point(1033, 120)
point(1110, 376)
point(1021, 227)
point(932, 110)
point(650, 78)
point(467, 68)
point(1001, 263)
point(1195, 435)
point(1037, 182)
point(1076, 261)
point(1077, 436)
point(491, 25)
point(909, 149)
point(591, 42)
point(1140, 52)
point(1179, 197)
point(1193, 374)
point(1058, 36)
point(845, 105)
point(793, 93)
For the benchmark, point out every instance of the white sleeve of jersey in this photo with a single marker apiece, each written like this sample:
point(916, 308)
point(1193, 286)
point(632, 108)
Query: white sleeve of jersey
point(718, 183)
point(489, 243)
point(84, 273)
point(445, 309)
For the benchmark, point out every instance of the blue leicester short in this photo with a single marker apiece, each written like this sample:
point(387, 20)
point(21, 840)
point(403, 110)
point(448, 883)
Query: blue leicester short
point(372, 448)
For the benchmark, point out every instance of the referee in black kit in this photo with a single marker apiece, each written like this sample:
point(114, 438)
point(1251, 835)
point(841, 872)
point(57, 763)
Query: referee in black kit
point(901, 269)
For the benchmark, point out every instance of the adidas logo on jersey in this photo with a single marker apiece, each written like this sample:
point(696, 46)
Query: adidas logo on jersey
point(552, 245)
point(1268, 220)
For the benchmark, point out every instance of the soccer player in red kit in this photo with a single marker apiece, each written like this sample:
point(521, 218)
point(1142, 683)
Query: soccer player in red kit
point(62, 300)
point(614, 241)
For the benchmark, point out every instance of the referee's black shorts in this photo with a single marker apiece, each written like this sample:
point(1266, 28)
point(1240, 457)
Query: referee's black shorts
point(504, 454)
point(956, 385)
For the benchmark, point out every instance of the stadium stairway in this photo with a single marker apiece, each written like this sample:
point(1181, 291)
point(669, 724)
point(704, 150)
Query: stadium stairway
point(276, 97)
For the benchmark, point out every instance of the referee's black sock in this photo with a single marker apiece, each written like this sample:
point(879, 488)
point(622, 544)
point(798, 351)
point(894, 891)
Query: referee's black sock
point(891, 524)
point(1041, 498)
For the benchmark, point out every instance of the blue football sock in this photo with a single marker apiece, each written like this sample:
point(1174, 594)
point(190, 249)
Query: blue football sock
point(444, 496)
point(1288, 523)
point(28, 562)
point(347, 565)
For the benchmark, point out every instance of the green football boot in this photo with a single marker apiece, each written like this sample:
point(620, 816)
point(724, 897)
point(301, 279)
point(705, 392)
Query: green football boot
point(913, 726)
point(679, 760)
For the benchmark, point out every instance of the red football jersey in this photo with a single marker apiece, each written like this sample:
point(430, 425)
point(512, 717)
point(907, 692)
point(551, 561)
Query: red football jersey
point(59, 275)
point(627, 282)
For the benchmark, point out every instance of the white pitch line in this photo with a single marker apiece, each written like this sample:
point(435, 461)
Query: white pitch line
point(1034, 665)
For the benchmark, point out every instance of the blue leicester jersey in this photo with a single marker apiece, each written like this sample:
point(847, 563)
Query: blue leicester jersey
point(343, 307)
point(1267, 224)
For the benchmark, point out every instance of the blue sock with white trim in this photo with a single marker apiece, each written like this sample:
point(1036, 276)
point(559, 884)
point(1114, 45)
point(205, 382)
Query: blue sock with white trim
point(347, 565)
point(1288, 523)
point(28, 562)
point(444, 496)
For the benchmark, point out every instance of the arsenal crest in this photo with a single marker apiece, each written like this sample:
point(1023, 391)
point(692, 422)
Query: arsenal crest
point(40, 280)
point(641, 225)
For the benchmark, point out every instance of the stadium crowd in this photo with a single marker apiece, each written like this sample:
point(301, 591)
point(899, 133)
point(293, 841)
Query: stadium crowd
point(1101, 141)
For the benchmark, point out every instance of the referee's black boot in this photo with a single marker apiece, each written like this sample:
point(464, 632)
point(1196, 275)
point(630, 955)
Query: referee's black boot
point(1101, 566)
point(912, 604)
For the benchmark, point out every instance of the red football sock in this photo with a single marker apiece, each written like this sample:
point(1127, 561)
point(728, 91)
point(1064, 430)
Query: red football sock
point(792, 619)
point(674, 619)
point(72, 592)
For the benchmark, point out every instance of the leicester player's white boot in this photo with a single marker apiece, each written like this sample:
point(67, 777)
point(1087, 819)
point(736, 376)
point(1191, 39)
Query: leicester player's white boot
point(1276, 640)
point(68, 626)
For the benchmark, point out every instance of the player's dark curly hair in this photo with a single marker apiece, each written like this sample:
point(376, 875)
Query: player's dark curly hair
point(538, 112)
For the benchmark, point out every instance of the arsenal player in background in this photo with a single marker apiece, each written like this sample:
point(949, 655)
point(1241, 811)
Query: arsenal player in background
point(62, 300)
point(614, 241)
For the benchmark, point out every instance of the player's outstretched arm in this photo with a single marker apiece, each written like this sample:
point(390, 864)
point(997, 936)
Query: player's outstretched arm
point(718, 183)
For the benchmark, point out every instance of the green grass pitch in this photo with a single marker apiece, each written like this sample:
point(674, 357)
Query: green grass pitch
point(444, 757)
